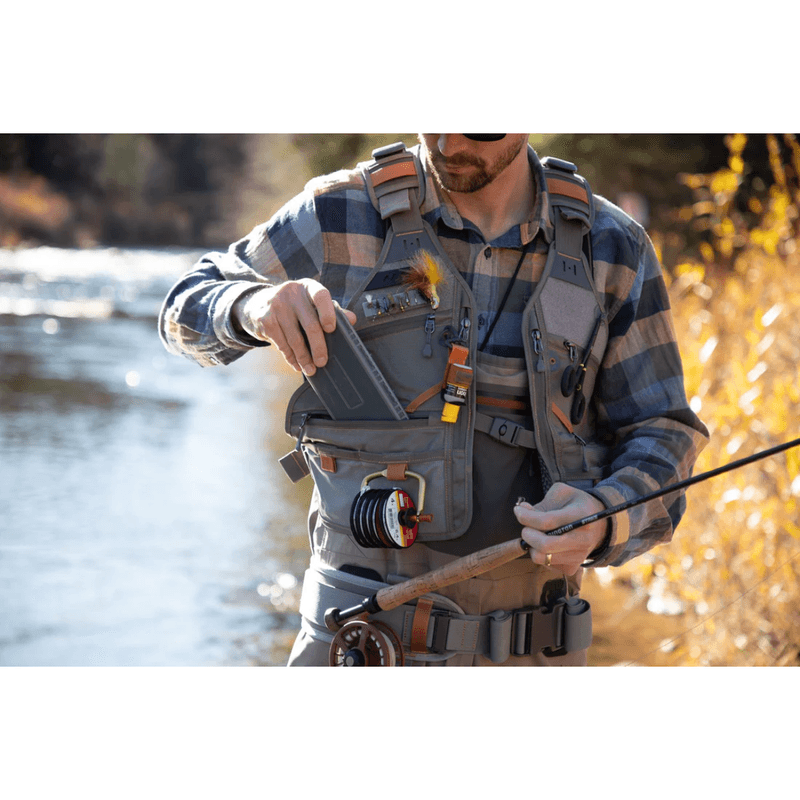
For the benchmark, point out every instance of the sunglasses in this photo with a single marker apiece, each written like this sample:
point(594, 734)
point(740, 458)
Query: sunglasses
point(485, 137)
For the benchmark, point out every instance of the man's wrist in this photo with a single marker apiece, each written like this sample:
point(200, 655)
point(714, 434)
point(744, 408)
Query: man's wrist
point(239, 319)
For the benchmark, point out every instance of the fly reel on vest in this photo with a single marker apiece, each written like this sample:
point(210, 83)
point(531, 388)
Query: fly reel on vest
point(365, 644)
point(387, 518)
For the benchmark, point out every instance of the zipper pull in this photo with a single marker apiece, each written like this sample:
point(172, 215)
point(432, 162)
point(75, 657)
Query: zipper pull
point(463, 334)
point(430, 327)
point(583, 450)
point(538, 348)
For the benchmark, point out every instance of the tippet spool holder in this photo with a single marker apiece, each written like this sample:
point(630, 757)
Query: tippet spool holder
point(387, 518)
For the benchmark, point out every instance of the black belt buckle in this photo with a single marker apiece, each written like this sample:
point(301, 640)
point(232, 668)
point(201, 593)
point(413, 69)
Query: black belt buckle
point(538, 629)
point(441, 622)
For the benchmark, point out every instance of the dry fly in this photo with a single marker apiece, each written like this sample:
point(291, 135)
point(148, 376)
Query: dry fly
point(425, 274)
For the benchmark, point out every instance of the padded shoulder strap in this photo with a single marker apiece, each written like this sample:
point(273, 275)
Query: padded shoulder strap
point(396, 187)
point(395, 181)
point(572, 215)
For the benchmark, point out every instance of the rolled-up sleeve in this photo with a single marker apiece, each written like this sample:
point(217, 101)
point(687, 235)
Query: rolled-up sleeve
point(195, 319)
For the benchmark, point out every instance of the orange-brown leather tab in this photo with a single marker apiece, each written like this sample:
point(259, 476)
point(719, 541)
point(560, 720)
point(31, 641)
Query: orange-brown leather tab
point(327, 463)
point(568, 189)
point(396, 472)
point(419, 625)
point(563, 417)
point(422, 398)
point(402, 169)
point(515, 405)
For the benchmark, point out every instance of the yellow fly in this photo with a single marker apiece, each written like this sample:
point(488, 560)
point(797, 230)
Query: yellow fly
point(426, 274)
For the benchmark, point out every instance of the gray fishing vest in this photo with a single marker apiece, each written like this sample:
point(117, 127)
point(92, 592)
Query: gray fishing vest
point(564, 330)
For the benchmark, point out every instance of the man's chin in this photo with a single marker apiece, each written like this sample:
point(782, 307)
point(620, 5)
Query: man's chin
point(463, 180)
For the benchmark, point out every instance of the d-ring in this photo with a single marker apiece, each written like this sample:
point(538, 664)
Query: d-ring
point(548, 559)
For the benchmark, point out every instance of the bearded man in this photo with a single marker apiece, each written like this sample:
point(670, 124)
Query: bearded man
point(553, 314)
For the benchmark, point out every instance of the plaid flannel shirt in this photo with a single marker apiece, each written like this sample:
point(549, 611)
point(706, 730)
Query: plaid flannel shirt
point(332, 233)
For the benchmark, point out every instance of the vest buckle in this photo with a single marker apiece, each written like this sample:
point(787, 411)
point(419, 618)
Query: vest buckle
point(504, 430)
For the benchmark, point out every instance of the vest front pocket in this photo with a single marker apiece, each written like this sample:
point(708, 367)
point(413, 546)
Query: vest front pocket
point(342, 454)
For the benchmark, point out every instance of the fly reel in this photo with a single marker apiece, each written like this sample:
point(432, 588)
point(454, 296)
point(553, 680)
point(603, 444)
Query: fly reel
point(387, 518)
point(365, 644)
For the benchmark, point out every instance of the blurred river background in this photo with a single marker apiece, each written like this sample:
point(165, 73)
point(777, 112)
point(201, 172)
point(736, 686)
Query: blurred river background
point(144, 520)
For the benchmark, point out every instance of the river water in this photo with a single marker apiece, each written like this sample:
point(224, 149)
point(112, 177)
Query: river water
point(143, 518)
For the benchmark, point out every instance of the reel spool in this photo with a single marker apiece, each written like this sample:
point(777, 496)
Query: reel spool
point(386, 518)
point(365, 644)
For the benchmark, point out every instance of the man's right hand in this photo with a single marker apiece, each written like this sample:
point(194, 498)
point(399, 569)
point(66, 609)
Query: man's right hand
point(278, 314)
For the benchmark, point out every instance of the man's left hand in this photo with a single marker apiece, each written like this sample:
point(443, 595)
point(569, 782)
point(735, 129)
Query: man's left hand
point(561, 505)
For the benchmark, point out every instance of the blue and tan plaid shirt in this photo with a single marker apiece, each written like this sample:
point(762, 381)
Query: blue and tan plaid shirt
point(332, 233)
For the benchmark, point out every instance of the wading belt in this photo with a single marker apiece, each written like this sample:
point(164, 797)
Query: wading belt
point(433, 628)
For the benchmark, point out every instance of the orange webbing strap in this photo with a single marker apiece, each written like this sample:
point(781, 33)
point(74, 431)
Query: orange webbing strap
point(497, 402)
point(423, 397)
point(419, 626)
point(562, 417)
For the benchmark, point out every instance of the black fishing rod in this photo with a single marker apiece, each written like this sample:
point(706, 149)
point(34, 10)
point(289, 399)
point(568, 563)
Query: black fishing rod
point(674, 487)
point(484, 560)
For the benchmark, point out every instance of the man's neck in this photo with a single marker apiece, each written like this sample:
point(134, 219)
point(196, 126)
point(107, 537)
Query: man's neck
point(507, 201)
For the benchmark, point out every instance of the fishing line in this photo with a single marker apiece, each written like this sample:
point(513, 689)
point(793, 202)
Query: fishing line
point(711, 616)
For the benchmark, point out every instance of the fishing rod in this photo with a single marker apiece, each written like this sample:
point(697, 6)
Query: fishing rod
point(482, 561)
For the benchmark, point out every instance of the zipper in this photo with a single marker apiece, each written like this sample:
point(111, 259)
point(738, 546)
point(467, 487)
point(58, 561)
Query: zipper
point(463, 333)
point(538, 348)
point(582, 443)
point(430, 327)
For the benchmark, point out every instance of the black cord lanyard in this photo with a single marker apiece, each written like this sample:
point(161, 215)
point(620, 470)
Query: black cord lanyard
point(505, 298)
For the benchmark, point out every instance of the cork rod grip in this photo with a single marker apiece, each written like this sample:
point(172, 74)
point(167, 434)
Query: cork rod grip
point(460, 570)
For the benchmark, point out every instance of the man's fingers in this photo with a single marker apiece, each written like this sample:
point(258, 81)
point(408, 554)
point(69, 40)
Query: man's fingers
point(324, 305)
point(279, 340)
point(295, 317)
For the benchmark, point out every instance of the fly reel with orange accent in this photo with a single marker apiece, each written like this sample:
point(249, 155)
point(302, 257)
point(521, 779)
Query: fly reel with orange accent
point(359, 643)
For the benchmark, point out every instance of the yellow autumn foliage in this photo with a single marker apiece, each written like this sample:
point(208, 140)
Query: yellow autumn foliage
point(733, 566)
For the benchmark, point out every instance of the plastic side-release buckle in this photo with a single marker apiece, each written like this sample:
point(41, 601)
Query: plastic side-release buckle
point(505, 431)
point(537, 629)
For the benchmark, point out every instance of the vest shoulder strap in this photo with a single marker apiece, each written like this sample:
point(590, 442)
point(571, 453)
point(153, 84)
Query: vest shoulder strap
point(396, 186)
point(572, 215)
point(395, 182)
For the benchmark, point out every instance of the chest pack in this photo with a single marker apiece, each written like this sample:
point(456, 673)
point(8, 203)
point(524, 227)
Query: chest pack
point(423, 341)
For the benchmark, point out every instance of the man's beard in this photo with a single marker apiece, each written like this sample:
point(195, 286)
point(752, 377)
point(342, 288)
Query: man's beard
point(478, 174)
